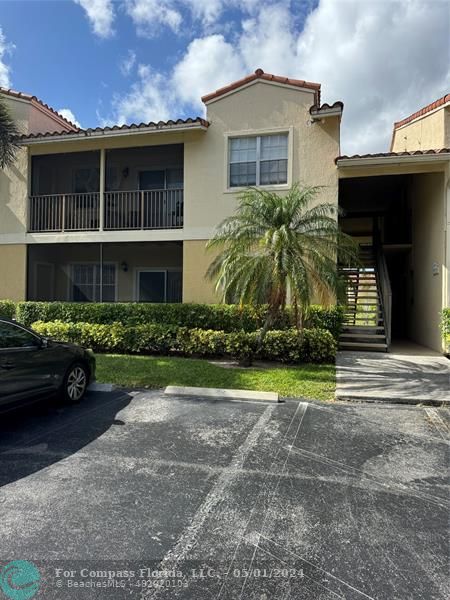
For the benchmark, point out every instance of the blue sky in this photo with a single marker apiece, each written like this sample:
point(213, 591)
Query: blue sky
point(139, 60)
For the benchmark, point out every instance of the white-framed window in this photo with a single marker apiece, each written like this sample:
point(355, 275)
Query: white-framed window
point(258, 160)
point(85, 282)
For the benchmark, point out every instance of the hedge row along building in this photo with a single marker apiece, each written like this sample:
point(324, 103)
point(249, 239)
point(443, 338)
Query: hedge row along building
point(124, 213)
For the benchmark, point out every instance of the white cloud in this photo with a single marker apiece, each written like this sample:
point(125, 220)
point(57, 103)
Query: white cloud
point(4, 68)
point(68, 114)
point(384, 59)
point(209, 63)
point(268, 41)
point(101, 16)
point(150, 99)
point(150, 15)
point(126, 64)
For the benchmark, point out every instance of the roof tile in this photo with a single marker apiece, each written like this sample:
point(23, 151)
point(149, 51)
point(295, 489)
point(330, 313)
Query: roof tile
point(87, 132)
point(387, 154)
point(34, 99)
point(259, 74)
point(423, 111)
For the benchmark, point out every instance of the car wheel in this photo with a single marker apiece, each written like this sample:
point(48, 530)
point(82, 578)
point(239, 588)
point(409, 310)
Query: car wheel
point(75, 383)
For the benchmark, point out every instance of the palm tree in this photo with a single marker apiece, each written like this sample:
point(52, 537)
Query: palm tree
point(278, 247)
point(8, 136)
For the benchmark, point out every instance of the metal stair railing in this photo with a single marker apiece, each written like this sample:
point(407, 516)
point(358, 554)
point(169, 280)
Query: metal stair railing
point(385, 291)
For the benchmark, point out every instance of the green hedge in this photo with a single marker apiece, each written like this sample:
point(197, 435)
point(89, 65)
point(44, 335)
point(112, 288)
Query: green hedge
point(7, 309)
point(220, 317)
point(311, 345)
point(445, 327)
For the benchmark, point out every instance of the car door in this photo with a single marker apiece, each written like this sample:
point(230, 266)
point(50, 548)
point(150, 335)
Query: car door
point(24, 366)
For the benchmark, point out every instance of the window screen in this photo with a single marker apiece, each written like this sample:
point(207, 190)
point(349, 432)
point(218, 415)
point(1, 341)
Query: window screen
point(85, 283)
point(258, 160)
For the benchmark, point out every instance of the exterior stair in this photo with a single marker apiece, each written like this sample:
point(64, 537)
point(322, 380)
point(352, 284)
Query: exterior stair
point(364, 327)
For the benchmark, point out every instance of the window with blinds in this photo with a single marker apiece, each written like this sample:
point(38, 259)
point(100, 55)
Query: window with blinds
point(85, 282)
point(258, 160)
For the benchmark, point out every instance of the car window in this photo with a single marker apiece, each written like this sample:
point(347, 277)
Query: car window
point(12, 336)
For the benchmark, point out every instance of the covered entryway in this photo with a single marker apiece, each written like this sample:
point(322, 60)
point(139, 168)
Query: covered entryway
point(397, 215)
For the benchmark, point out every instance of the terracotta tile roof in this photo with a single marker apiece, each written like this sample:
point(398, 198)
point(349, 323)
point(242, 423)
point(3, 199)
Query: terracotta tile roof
point(40, 103)
point(259, 74)
point(99, 130)
point(325, 107)
point(423, 111)
point(388, 154)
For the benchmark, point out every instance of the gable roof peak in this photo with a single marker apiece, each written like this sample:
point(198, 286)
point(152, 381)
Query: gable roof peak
point(259, 74)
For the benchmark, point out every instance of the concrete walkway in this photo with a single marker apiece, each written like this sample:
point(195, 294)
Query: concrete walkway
point(410, 374)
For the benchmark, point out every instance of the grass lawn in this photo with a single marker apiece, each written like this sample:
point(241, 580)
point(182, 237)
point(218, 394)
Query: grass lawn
point(307, 381)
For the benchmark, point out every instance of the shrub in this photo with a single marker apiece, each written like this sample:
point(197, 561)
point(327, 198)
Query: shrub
point(217, 317)
point(445, 328)
point(7, 309)
point(284, 346)
point(311, 345)
point(319, 346)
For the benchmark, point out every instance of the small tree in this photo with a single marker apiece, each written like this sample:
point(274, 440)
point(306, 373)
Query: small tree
point(278, 247)
point(8, 136)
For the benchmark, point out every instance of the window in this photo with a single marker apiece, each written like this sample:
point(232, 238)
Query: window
point(258, 160)
point(161, 179)
point(85, 283)
point(12, 336)
point(158, 286)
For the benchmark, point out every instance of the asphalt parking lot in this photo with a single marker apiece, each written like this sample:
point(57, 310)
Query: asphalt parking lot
point(140, 495)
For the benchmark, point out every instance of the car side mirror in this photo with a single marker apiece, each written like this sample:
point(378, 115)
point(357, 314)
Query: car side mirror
point(44, 343)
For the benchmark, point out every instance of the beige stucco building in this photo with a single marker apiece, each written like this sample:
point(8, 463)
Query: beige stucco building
point(143, 200)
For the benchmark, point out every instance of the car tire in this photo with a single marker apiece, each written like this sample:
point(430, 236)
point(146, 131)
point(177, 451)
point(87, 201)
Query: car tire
point(75, 383)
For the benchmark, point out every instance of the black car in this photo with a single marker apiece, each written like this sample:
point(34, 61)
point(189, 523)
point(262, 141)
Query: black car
point(32, 367)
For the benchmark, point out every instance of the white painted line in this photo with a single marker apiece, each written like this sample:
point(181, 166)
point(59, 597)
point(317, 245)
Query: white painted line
point(215, 496)
point(101, 387)
point(438, 422)
point(174, 390)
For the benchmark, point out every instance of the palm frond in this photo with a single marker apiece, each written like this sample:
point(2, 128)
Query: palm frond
point(9, 133)
point(274, 243)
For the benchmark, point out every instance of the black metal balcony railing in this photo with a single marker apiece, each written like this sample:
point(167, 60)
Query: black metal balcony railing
point(137, 209)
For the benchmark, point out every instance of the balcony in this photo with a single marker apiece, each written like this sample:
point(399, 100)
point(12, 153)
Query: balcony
point(107, 190)
point(122, 210)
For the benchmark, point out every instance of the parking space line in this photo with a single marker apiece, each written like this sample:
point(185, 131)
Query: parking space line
point(177, 554)
point(438, 422)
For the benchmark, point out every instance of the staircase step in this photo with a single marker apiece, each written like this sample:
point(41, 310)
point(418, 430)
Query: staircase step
point(366, 336)
point(367, 313)
point(363, 346)
point(363, 329)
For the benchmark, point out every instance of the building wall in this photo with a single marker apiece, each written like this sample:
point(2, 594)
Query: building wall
point(447, 126)
point(428, 258)
point(13, 267)
point(196, 260)
point(41, 121)
point(446, 274)
point(259, 108)
point(13, 199)
point(425, 133)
